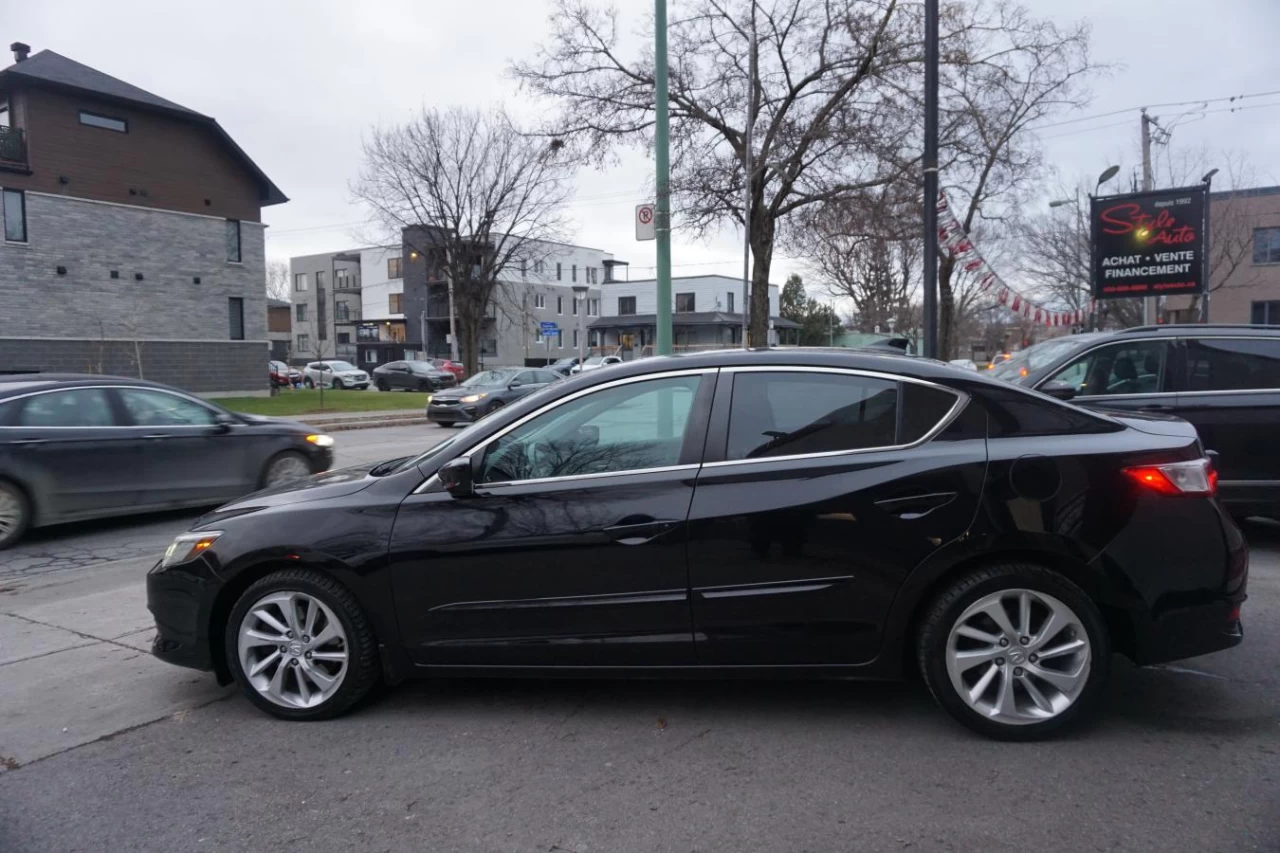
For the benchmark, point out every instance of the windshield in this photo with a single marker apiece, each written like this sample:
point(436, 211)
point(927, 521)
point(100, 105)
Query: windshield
point(490, 377)
point(595, 359)
point(342, 365)
point(1033, 358)
point(395, 466)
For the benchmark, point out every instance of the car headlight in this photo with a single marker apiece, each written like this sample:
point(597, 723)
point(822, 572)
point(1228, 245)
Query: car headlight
point(188, 546)
point(428, 399)
point(474, 398)
point(320, 440)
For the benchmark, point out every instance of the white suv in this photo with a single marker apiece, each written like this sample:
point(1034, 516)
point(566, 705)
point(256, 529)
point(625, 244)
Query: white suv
point(596, 362)
point(334, 374)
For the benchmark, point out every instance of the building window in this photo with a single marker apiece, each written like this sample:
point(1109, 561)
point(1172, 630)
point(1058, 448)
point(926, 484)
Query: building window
point(537, 335)
point(730, 302)
point(342, 279)
point(1265, 313)
point(4, 113)
point(1266, 245)
point(233, 240)
point(344, 337)
point(300, 312)
point(593, 307)
point(575, 338)
point(573, 304)
point(559, 304)
point(119, 125)
point(304, 343)
point(235, 308)
point(574, 273)
point(370, 356)
point(539, 300)
point(300, 281)
point(684, 303)
point(395, 268)
point(15, 216)
point(559, 275)
point(489, 346)
point(524, 269)
point(319, 280)
point(626, 304)
point(394, 303)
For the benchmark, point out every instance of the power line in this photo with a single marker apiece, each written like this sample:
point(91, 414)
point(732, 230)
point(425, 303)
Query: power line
point(1155, 107)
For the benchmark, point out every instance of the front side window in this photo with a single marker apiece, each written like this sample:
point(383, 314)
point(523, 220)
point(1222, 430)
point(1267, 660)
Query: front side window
point(15, 216)
point(685, 303)
point(1133, 367)
point(788, 413)
point(1232, 364)
point(119, 125)
point(630, 427)
point(233, 240)
point(395, 268)
point(156, 408)
point(235, 312)
point(1266, 245)
point(626, 305)
point(78, 407)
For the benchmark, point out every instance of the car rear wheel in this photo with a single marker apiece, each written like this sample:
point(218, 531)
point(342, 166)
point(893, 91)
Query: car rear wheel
point(309, 383)
point(15, 514)
point(1015, 652)
point(424, 385)
point(284, 468)
point(382, 385)
point(300, 646)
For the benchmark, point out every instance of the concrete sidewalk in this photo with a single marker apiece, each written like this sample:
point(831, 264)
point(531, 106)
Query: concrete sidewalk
point(75, 663)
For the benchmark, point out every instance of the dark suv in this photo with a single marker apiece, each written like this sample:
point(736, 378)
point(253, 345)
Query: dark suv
point(1223, 379)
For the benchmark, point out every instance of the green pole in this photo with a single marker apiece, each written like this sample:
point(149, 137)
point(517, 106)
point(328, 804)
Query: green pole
point(662, 224)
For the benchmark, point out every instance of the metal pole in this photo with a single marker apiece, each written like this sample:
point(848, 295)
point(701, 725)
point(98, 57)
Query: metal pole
point(930, 306)
point(747, 175)
point(453, 326)
point(582, 329)
point(1208, 283)
point(1148, 184)
point(662, 223)
point(422, 330)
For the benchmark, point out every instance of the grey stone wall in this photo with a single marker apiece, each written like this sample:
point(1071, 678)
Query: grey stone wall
point(203, 367)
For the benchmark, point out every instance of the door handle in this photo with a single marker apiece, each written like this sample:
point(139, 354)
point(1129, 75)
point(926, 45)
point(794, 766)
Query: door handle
point(157, 435)
point(915, 506)
point(637, 531)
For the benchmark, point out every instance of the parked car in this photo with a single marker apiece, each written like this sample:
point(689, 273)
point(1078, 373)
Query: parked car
point(814, 513)
point(1224, 379)
point(455, 367)
point(485, 393)
point(283, 376)
point(334, 374)
point(564, 366)
point(998, 359)
point(76, 447)
point(595, 362)
point(966, 363)
point(412, 376)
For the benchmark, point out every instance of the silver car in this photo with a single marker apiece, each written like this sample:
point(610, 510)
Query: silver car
point(334, 374)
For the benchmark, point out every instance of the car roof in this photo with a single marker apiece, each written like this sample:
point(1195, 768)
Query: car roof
point(16, 383)
point(875, 360)
point(1199, 330)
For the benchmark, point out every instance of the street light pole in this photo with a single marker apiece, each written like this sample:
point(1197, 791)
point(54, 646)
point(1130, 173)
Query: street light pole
point(662, 162)
point(930, 306)
point(747, 174)
point(580, 293)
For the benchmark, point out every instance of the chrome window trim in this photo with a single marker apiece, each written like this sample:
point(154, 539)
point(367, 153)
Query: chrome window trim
point(59, 389)
point(598, 476)
point(555, 404)
point(962, 399)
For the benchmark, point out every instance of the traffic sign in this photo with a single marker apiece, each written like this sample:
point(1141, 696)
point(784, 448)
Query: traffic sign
point(645, 215)
point(549, 328)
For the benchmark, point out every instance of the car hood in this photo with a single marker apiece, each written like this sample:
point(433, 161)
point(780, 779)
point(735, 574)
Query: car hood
point(282, 423)
point(458, 392)
point(331, 484)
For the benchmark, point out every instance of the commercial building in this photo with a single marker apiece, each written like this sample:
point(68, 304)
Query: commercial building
point(132, 234)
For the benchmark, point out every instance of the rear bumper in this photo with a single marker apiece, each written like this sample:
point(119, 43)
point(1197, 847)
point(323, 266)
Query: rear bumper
point(180, 599)
point(1189, 631)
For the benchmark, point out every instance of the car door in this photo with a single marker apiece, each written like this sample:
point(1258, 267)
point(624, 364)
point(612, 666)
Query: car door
point(1135, 375)
point(394, 374)
point(1232, 396)
point(572, 550)
point(188, 457)
point(820, 492)
point(525, 383)
point(70, 448)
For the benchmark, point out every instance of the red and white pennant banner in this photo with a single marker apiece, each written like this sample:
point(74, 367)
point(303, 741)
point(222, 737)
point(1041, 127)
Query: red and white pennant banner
point(952, 238)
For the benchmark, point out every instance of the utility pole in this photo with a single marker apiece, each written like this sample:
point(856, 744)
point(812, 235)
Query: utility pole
point(1148, 184)
point(930, 307)
point(747, 175)
point(422, 328)
point(662, 160)
point(453, 326)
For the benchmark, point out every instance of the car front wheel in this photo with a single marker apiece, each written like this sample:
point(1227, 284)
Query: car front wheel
point(299, 645)
point(309, 383)
point(15, 514)
point(1015, 652)
point(284, 468)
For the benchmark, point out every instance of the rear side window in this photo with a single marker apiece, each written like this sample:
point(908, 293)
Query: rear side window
point(1015, 413)
point(789, 413)
point(79, 407)
point(923, 408)
point(1233, 364)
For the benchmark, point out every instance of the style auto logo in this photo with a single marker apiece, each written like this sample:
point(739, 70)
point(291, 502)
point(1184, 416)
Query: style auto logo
point(1161, 229)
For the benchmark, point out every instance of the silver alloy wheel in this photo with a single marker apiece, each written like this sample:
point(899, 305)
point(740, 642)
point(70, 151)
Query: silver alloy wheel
point(1018, 656)
point(286, 469)
point(10, 513)
point(293, 649)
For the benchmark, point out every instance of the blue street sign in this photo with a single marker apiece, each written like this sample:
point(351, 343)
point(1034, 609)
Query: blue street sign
point(549, 328)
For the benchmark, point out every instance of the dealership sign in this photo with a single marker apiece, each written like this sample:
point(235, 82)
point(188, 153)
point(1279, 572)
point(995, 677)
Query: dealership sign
point(1149, 244)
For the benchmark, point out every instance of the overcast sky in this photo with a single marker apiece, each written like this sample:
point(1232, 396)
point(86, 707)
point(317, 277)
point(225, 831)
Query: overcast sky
point(298, 83)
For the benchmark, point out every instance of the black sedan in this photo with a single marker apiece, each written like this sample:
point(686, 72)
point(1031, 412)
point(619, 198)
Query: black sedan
point(77, 447)
point(485, 393)
point(734, 513)
point(412, 376)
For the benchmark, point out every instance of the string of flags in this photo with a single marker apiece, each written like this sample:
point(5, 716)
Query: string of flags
point(952, 238)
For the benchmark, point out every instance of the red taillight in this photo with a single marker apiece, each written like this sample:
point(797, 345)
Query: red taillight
point(1178, 478)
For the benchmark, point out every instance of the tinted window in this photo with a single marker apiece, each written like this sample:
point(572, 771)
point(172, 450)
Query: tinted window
point(546, 376)
point(394, 365)
point(627, 428)
point(1132, 367)
point(1013, 413)
point(490, 377)
point(526, 378)
point(923, 408)
point(1232, 364)
point(79, 407)
point(156, 408)
point(781, 414)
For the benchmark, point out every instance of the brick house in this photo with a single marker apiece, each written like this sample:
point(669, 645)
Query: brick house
point(132, 233)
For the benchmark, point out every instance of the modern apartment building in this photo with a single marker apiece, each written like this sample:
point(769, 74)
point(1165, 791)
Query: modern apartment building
point(705, 314)
point(133, 240)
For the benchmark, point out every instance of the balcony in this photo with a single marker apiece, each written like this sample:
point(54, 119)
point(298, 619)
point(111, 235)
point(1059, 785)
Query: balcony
point(13, 149)
point(343, 314)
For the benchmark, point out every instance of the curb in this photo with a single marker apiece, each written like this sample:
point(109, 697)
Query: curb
point(340, 426)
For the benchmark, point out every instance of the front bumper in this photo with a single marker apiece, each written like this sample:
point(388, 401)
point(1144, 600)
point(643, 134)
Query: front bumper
point(181, 599)
point(461, 414)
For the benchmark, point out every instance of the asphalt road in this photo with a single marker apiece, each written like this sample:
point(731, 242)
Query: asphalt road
point(1186, 757)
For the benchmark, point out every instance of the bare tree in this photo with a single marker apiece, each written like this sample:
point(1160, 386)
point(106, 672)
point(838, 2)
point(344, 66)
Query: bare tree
point(824, 126)
point(472, 194)
point(278, 284)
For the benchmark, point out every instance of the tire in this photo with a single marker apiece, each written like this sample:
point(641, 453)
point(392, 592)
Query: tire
point(15, 513)
point(1020, 715)
point(493, 407)
point(423, 385)
point(355, 674)
point(307, 382)
point(284, 468)
point(382, 385)
point(337, 385)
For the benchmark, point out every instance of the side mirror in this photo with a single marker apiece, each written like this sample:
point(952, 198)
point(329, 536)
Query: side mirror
point(515, 385)
point(456, 477)
point(1059, 390)
point(222, 422)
